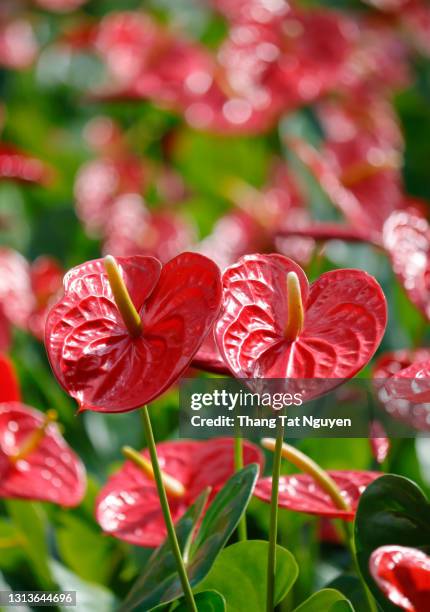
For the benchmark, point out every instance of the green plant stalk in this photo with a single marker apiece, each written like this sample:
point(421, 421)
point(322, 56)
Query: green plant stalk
point(349, 538)
point(273, 529)
point(238, 465)
point(189, 597)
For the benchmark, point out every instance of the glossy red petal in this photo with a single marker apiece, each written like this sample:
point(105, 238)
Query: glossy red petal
point(255, 310)
point(16, 295)
point(345, 318)
point(401, 380)
point(300, 493)
point(406, 237)
point(9, 386)
point(403, 574)
point(379, 442)
point(19, 166)
point(46, 280)
point(4, 331)
point(52, 472)
point(90, 349)
point(209, 359)
point(128, 506)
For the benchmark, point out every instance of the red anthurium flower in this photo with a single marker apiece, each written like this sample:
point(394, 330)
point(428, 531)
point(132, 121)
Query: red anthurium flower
point(406, 238)
point(35, 461)
point(16, 295)
point(300, 493)
point(19, 166)
point(27, 290)
point(112, 361)
point(133, 230)
point(402, 383)
point(18, 45)
point(303, 55)
point(128, 506)
point(233, 235)
point(366, 189)
point(416, 22)
point(100, 182)
point(208, 357)
point(9, 387)
point(46, 276)
point(379, 442)
point(274, 325)
point(4, 331)
point(403, 574)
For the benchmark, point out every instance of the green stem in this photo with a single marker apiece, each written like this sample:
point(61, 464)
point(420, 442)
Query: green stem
point(189, 597)
point(349, 538)
point(238, 465)
point(273, 529)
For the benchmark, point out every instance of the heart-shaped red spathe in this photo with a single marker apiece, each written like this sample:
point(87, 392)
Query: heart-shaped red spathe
point(300, 493)
point(406, 238)
point(9, 386)
point(128, 506)
point(403, 574)
point(16, 295)
point(401, 380)
point(345, 318)
point(51, 472)
point(93, 355)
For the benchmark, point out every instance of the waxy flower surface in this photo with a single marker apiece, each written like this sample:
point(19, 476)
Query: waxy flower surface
point(300, 493)
point(406, 238)
point(93, 353)
point(9, 387)
point(275, 325)
point(403, 574)
point(401, 379)
point(20, 166)
point(128, 506)
point(35, 461)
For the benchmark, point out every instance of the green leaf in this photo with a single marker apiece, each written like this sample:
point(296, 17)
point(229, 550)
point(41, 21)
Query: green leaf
point(239, 573)
point(328, 600)
point(29, 520)
point(206, 601)
point(73, 536)
point(392, 510)
point(159, 583)
point(352, 587)
point(88, 596)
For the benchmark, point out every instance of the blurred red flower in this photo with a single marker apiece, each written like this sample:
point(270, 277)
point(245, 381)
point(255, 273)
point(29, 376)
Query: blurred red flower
point(300, 493)
point(35, 461)
point(9, 386)
point(128, 506)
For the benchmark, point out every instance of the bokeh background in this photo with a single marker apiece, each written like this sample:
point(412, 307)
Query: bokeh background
point(156, 127)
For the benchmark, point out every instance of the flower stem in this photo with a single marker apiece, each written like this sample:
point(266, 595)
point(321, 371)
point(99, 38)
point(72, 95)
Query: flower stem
point(349, 538)
point(273, 529)
point(238, 465)
point(189, 597)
